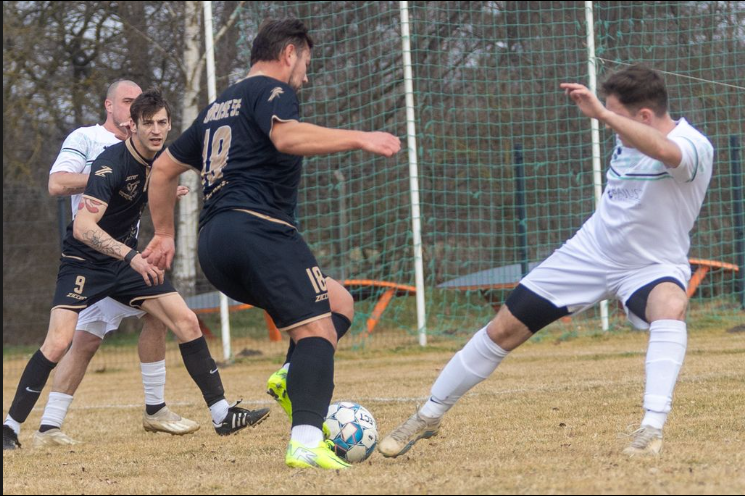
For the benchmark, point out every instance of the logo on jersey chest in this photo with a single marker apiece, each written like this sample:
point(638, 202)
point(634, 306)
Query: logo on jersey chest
point(130, 191)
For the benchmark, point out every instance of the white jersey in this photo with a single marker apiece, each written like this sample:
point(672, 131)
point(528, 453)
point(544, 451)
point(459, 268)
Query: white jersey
point(79, 151)
point(648, 210)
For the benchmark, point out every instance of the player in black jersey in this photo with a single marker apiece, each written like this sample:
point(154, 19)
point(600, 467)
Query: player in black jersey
point(248, 147)
point(100, 259)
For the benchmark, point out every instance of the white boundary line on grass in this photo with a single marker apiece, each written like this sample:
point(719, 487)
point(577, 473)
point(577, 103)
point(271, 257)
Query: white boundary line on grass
point(418, 399)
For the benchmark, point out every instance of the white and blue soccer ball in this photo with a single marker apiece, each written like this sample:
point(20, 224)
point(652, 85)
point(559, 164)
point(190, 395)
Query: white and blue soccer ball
point(353, 431)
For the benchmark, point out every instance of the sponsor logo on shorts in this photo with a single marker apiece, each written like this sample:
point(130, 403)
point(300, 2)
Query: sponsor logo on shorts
point(322, 297)
point(76, 297)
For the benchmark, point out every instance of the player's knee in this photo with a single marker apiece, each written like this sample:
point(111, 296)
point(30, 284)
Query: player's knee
point(672, 307)
point(502, 330)
point(85, 345)
point(323, 328)
point(187, 326)
point(54, 348)
point(152, 325)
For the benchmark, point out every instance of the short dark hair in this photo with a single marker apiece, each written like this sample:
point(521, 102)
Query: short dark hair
point(637, 87)
point(148, 104)
point(274, 36)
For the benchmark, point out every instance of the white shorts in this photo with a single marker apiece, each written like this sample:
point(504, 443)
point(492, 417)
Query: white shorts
point(578, 276)
point(105, 316)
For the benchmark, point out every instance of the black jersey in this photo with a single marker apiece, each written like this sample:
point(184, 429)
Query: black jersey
point(229, 145)
point(119, 179)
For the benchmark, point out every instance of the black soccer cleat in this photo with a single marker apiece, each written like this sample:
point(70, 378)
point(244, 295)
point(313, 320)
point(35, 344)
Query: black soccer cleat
point(240, 418)
point(10, 438)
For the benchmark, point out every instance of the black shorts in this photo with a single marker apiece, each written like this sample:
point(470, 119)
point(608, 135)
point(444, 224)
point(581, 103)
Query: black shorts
point(81, 284)
point(264, 263)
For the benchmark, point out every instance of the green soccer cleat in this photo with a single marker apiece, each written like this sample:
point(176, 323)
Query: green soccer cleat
point(276, 387)
point(322, 456)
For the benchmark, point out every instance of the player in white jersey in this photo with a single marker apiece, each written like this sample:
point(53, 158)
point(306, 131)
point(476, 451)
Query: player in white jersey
point(69, 176)
point(634, 248)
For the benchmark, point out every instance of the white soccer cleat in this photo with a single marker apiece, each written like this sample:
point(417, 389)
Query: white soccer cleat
point(647, 442)
point(405, 435)
point(164, 420)
point(52, 437)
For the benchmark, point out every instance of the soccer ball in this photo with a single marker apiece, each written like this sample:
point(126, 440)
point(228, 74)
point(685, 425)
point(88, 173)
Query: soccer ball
point(353, 431)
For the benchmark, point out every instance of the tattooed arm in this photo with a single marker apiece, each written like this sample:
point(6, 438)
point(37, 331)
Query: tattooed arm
point(67, 183)
point(86, 230)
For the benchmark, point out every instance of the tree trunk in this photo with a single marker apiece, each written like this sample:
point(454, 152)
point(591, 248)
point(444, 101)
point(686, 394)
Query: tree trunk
point(184, 274)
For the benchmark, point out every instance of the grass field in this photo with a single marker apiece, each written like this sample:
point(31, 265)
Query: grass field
point(552, 419)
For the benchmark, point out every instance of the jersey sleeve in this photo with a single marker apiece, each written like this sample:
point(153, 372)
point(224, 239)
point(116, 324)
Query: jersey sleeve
point(698, 157)
point(278, 102)
point(104, 181)
point(187, 149)
point(73, 155)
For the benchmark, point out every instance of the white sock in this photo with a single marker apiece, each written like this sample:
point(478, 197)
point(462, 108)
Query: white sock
point(219, 411)
point(56, 409)
point(13, 424)
point(286, 367)
point(667, 349)
point(471, 365)
point(154, 382)
point(307, 435)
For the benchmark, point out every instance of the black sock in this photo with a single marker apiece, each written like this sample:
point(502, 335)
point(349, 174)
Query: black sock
point(203, 369)
point(32, 382)
point(310, 381)
point(153, 409)
point(45, 428)
point(290, 351)
point(341, 324)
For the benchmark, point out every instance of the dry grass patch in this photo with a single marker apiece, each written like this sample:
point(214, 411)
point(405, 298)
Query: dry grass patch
point(551, 420)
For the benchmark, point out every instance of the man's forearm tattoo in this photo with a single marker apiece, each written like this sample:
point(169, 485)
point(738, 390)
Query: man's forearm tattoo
point(103, 243)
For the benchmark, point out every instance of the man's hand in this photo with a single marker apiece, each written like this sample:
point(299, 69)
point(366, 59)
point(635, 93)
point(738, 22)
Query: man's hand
point(380, 143)
point(181, 191)
point(587, 102)
point(125, 131)
point(150, 273)
point(160, 251)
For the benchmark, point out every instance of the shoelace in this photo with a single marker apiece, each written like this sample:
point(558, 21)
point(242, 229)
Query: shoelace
point(642, 437)
point(409, 428)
